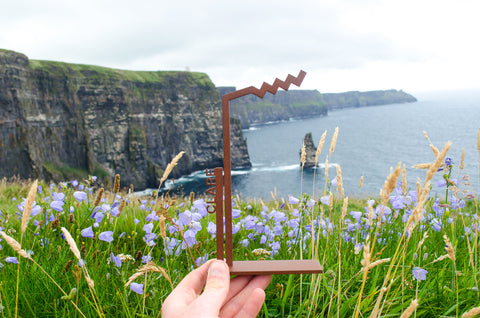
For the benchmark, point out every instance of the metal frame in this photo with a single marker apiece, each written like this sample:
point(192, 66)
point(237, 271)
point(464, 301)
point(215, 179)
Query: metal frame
point(223, 200)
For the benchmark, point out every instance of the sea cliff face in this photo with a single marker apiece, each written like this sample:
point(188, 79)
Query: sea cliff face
point(60, 120)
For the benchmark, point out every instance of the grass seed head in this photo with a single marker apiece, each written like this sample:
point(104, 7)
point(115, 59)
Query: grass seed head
point(170, 166)
point(116, 183)
point(71, 243)
point(333, 143)
point(99, 196)
point(303, 157)
point(410, 309)
point(472, 313)
point(319, 147)
point(28, 206)
point(15, 245)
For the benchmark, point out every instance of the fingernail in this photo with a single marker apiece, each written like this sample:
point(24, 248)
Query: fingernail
point(218, 269)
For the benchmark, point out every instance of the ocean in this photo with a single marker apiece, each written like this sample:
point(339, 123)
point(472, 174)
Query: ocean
point(371, 140)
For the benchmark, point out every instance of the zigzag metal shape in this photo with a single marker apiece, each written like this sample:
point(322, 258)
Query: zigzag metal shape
point(267, 87)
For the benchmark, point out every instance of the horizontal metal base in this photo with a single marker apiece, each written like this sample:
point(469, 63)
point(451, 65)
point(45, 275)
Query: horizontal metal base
point(307, 266)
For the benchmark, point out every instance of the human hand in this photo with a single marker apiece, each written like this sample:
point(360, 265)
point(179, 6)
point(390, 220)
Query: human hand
point(240, 297)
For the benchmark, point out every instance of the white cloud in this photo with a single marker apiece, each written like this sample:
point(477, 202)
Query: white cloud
point(343, 45)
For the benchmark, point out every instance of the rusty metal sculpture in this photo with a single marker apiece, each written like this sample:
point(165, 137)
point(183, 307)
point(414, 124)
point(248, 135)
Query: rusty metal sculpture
point(222, 179)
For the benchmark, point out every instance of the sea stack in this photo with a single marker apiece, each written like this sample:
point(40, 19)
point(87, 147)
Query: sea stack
point(310, 151)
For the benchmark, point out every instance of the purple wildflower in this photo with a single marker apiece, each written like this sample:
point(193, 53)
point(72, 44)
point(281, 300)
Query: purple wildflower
point(148, 227)
point(419, 273)
point(57, 205)
point(236, 213)
point(293, 200)
point(87, 232)
point(80, 196)
point(115, 259)
point(146, 259)
point(106, 236)
point(11, 259)
point(325, 199)
point(211, 228)
point(138, 288)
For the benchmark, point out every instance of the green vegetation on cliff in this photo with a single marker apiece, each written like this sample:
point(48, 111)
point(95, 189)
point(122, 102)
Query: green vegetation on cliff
point(93, 72)
point(370, 98)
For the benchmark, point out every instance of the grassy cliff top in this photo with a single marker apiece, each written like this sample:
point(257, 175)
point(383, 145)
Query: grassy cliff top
point(100, 72)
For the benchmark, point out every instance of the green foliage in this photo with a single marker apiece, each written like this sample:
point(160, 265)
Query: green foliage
point(99, 73)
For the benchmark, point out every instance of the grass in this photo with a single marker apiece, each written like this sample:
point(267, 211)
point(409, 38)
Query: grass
point(373, 252)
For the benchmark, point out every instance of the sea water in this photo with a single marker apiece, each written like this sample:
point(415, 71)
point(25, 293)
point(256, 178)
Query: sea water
point(371, 140)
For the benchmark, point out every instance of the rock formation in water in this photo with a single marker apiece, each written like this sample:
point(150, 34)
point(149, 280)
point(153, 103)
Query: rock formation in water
point(284, 105)
point(310, 151)
point(60, 120)
point(370, 98)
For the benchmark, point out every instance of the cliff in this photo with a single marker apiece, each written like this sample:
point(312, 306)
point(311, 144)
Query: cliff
point(60, 120)
point(370, 98)
point(284, 105)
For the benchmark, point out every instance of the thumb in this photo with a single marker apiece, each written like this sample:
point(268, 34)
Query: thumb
point(216, 289)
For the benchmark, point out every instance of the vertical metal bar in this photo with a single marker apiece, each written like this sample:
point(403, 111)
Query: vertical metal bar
point(227, 166)
point(219, 211)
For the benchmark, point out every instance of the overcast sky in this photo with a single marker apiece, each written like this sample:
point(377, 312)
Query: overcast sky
point(414, 45)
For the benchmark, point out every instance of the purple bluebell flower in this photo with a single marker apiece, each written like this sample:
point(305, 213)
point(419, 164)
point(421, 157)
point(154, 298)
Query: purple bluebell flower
point(282, 206)
point(40, 190)
point(80, 196)
point(11, 259)
point(356, 214)
point(436, 225)
point(170, 245)
point(263, 239)
point(99, 217)
point(146, 259)
point(137, 288)
point(136, 221)
point(245, 242)
point(58, 196)
point(106, 236)
point(81, 262)
point(87, 232)
point(236, 213)
point(441, 183)
point(152, 217)
point(236, 227)
point(148, 227)
point(325, 199)
point(200, 206)
point(293, 200)
point(202, 259)
point(57, 205)
point(115, 212)
point(190, 237)
point(149, 239)
point(36, 209)
point(310, 203)
point(44, 241)
point(211, 228)
point(115, 259)
point(122, 235)
point(419, 273)
point(184, 218)
point(249, 222)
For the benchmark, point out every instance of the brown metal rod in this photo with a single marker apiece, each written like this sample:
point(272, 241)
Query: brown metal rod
point(219, 211)
point(227, 168)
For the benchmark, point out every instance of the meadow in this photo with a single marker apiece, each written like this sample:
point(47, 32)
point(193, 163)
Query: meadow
point(77, 249)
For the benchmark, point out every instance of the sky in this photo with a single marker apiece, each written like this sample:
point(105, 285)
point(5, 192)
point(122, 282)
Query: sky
point(343, 45)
